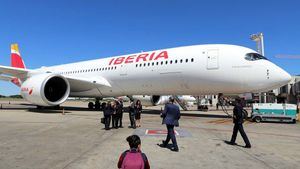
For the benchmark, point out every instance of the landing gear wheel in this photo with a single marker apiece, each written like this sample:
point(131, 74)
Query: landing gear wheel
point(91, 105)
point(97, 105)
point(257, 119)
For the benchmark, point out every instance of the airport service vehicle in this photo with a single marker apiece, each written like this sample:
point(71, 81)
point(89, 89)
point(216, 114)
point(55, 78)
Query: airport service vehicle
point(274, 112)
point(188, 70)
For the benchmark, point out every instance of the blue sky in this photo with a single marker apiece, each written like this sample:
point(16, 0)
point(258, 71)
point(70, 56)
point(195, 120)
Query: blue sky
point(57, 31)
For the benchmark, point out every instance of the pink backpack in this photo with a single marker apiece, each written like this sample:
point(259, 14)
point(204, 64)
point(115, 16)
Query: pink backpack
point(133, 160)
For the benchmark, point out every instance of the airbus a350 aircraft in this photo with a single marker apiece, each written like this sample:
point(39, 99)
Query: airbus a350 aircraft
point(189, 70)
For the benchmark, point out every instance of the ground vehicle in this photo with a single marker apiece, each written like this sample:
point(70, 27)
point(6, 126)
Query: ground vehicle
point(274, 112)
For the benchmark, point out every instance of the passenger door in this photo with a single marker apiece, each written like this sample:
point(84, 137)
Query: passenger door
point(212, 59)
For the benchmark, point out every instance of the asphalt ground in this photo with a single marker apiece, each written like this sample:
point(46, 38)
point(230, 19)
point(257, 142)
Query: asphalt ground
point(42, 139)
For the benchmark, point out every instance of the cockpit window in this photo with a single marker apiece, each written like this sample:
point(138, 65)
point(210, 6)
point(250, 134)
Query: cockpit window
point(254, 56)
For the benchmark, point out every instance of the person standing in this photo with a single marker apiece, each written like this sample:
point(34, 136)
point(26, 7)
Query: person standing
point(133, 158)
point(138, 111)
point(114, 115)
point(238, 121)
point(132, 114)
point(107, 111)
point(120, 112)
point(171, 116)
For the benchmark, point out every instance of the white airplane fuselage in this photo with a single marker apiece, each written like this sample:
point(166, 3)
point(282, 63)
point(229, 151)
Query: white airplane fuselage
point(200, 69)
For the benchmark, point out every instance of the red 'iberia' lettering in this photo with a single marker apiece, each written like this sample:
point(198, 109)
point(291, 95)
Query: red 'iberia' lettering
point(119, 60)
point(129, 59)
point(139, 58)
point(142, 57)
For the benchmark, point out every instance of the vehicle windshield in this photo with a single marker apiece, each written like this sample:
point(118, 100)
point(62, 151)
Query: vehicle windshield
point(254, 56)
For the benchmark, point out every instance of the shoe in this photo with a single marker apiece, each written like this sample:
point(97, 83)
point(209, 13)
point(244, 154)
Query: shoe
point(247, 146)
point(163, 145)
point(230, 143)
point(121, 127)
point(174, 149)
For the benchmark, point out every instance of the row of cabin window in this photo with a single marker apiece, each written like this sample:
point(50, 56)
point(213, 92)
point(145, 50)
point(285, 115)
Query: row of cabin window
point(166, 62)
point(90, 70)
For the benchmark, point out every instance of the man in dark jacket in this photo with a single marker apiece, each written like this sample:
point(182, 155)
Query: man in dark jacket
point(238, 119)
point(132, 114)
point(120, 112)
point(107, 111)
point(171, 115)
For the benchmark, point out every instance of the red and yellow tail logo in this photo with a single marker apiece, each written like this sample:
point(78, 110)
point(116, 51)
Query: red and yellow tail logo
point(16, 59)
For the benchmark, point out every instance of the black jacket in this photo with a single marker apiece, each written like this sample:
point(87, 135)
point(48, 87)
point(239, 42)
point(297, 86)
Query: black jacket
point(107, 111)
point(238, 114)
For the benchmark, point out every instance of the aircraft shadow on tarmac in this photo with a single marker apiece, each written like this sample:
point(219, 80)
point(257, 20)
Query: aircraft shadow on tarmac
point(148, 111)
point(68, 109)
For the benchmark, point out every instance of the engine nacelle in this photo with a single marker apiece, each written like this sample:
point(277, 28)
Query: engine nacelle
point(153, 100)
point(46, 89)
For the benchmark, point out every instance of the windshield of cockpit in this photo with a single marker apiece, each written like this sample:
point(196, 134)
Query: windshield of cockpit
point(254, 56)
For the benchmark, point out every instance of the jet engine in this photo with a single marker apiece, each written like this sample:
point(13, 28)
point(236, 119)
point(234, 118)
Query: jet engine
point(46, 89)
point(153, 100)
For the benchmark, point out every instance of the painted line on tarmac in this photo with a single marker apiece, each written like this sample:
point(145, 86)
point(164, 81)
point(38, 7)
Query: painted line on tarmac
point(230, 130)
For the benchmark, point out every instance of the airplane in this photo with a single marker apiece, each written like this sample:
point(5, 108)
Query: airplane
point(187, 70)
point(154, 100)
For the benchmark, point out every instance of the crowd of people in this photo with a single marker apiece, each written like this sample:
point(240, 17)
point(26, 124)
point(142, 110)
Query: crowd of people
point(134, 158)
point(113, 114)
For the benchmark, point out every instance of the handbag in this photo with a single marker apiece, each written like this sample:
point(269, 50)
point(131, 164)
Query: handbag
point(102, 120)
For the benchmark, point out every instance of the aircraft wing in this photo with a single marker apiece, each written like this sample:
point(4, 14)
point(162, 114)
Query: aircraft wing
point(6, 78)
point(15, 72)
point(85, 84)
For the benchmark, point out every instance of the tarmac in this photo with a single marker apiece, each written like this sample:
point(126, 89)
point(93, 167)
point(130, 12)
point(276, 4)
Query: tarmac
point(42, 139)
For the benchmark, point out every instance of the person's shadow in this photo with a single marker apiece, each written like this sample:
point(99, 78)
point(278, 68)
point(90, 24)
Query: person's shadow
point(232, 144)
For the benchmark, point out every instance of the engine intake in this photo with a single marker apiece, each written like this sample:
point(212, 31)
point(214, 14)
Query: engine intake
point(46, 89)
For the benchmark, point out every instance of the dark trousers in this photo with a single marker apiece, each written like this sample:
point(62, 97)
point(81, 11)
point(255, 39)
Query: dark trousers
point(120, 118)
point(239, 127)
point(115, 121)
point(132, 119)
point(107, 121)
point(171, 136)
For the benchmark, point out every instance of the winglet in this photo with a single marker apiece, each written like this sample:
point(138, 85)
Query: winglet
point(16, 59)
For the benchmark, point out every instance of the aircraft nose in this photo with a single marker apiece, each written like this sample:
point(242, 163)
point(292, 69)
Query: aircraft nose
point(283, 77)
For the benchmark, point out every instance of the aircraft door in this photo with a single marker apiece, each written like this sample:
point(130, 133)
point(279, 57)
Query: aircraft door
point(212, 59)
point(123, 70)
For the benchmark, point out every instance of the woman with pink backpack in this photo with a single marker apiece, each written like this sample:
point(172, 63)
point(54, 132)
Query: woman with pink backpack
point(133, 158)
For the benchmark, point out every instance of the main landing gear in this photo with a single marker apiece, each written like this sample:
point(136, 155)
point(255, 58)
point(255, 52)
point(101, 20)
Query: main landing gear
point(95, 106)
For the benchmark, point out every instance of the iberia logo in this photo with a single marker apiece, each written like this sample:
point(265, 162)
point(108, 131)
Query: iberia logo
point(26, 89)
point(30, 91)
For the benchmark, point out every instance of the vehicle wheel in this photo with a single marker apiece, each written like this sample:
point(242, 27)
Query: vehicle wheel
point(245, 114)
point(91, 105)
point(257, 119)
point(294, 121)
point(97, 105)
